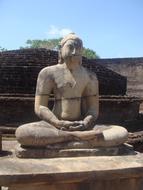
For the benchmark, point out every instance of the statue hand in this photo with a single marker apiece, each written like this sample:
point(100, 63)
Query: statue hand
point(80, 126)
point(73, 125)
point(67, 124)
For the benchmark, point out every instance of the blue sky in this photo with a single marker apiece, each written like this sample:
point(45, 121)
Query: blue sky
point(112, 28)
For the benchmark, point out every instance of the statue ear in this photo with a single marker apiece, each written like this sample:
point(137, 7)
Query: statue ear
point(60, 59)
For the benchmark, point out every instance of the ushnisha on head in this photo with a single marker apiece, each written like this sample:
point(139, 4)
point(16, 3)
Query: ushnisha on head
point(70, 46)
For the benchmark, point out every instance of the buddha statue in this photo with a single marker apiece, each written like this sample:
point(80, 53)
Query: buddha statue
point(76, 105)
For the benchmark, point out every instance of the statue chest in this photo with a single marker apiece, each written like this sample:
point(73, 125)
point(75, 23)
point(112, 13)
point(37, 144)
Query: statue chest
point(70, 85)
point(69, 91)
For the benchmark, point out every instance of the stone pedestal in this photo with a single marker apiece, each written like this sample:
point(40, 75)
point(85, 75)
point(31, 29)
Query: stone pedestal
point(80, 173)
point(72, 150)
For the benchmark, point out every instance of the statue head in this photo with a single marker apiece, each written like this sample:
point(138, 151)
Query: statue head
point(70, 46)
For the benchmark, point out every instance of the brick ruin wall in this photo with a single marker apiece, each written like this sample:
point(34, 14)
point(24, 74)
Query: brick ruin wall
point(132, 68)
point(18, 75)
point(19, 70)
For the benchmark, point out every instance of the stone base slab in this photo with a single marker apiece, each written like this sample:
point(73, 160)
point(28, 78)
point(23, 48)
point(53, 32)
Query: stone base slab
point(82, 173)
point(72, 173)
point(122, 184)
point(22, 152)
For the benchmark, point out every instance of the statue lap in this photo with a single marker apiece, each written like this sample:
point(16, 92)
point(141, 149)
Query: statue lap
point(42, 134)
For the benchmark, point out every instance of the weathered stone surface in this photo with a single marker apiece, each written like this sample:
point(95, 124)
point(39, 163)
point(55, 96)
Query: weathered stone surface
point(88, 170)
point(80, 173)
point(73, 151)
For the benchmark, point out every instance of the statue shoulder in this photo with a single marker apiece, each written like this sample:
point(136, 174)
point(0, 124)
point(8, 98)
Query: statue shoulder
point(48, 70)
point(46, 80)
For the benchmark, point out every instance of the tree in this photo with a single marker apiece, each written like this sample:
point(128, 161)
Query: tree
point(2, 49)
point(53, 45)
point(48, 44)
point(89, 53)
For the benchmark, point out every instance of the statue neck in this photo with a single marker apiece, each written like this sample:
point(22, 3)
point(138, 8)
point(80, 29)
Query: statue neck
point(72, 65)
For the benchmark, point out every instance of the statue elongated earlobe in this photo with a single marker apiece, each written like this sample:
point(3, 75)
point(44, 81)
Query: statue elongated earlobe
point(60, 59)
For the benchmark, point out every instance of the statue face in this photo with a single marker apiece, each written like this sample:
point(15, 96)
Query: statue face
point(71, 48)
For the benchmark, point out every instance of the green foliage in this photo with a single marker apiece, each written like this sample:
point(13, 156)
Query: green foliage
point(2, 49)
point(89, 53)
point(48, 44)
point(53, 45)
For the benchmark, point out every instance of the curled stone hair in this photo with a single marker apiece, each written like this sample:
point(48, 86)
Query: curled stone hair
point(71, 36)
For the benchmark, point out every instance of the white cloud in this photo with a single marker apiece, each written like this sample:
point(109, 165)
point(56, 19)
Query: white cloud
point(55, 31)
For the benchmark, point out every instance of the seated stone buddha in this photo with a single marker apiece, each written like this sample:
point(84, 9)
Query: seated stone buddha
point(76, 105)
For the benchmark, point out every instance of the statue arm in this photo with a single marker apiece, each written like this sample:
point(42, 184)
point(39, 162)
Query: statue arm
point(90, 108)
point(92, 112)
point(45, 85)
point(92, 102)
point(43, 112)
